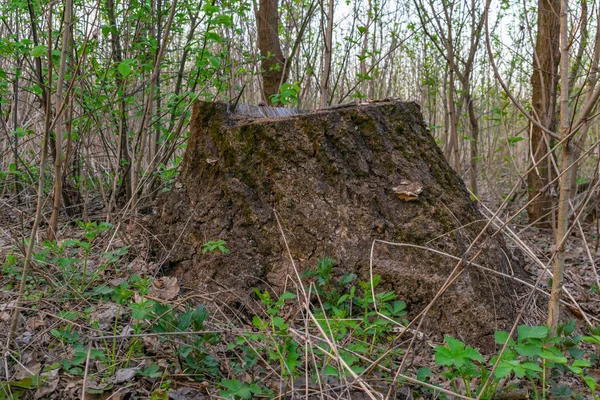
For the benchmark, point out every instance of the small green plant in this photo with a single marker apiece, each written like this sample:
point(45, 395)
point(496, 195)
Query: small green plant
point(460, 362)
point(288, 94)
point(215, 245)
point(235, 389)
point(537, 356)
point(347, 311)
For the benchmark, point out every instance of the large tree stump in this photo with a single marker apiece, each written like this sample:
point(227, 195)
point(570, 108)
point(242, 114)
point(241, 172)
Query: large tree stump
point(338, 179)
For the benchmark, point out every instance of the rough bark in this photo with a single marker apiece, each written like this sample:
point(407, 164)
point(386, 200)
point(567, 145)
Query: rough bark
point(544, 83)
point(274, 72)
point(336, 177)
point(565, 179)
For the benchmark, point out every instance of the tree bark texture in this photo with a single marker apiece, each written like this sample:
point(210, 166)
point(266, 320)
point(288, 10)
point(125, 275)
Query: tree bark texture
point(544, 83)
point(337, 178)
point(273, 62)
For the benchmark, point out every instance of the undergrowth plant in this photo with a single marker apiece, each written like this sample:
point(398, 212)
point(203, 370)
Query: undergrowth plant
point(360, 323)
point(537, 357)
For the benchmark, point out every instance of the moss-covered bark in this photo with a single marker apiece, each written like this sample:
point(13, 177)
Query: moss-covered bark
point(330, 175)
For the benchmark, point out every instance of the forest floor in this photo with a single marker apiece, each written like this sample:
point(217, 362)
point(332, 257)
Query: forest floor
point(99, 319)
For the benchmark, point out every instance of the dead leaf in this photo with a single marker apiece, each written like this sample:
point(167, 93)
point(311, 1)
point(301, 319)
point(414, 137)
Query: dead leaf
point(47, 389)
point(124, 375)
point(105, 314)
point(186, 393)
point(139, 265)
point(165, 288)
point(151, 344)
point(33, 323)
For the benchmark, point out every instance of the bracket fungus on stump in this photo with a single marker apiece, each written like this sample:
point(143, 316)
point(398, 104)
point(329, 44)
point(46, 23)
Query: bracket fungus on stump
point(338, 178)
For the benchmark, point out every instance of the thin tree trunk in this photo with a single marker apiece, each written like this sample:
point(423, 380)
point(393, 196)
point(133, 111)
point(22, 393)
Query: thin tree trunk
point(123, 173)
point(143, 133)
point(58, 130)
point(15, 119)
point(157, 130)
point(363, 55)
point(565, 179)
point(327, 50)
point(40, 198)
point(592, 81)
point(272, 62)
point(474, 143)
point(543, 81)
point(451, 90)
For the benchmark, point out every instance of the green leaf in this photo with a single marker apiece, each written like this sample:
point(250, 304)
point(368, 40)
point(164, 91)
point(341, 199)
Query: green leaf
point(152, 371)
point(553, 357)
point(278, 322)
point(514, 139)
point(214, 36)
point(184, 320)
point(582, 363)
point(592, 339)
point(528, 349)
point(287, 296)
point(501, 337)
point(423, 374)
point(569, 328)
point(590, 382)
point(25, 383)
point(237, 389)
point(38, 51)
point(106, 30)
point(575, 370)
point(443, 356)
point(503, 370)
point(473, 354)
point(210, 9)
point(531, 366)
point(331, 371)
point(124, 69)
point(200, 316)
point(533, 332)
point(224, 20)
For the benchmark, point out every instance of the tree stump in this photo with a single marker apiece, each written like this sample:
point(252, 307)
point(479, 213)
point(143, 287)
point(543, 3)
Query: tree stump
point(338, 179)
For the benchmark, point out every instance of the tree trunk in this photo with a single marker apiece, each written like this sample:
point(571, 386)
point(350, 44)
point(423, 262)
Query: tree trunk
point(474, 142)
point(123, 172)
point(378, 152)
point(591, 86)
point(324, 102)
point(543, 82)
point(273, 63)
point(58, 130)
point(565, 179)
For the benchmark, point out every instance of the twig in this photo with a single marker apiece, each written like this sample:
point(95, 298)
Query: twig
point(85, 371)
